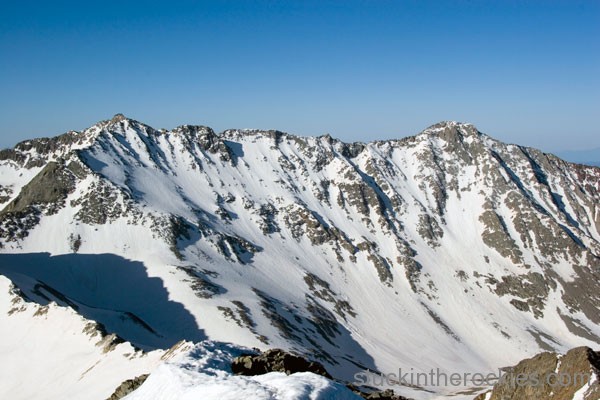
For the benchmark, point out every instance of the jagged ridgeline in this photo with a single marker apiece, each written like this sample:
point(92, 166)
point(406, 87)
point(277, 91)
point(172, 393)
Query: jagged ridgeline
point(434, 250)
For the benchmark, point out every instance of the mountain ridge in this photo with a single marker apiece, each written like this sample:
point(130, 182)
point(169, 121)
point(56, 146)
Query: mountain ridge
point(118, 118)
point(75, 136)
point(316, 245)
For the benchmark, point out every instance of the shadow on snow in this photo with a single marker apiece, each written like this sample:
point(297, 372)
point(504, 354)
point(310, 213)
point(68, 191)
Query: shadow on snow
point(107, 288)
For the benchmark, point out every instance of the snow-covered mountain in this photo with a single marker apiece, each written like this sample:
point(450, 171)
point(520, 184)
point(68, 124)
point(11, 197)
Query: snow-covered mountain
point(446, 250)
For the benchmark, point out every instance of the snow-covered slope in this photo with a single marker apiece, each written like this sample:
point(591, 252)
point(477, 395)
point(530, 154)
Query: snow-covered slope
point(205, 373)
point(447, 249)
point(50, 352)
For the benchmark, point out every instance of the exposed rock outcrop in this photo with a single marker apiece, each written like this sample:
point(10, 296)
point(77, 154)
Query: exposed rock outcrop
point(128, 386)
point(550, 376)
point(275, 360)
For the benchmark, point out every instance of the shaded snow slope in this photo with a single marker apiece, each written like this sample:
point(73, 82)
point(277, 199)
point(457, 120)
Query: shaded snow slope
point(50, 352)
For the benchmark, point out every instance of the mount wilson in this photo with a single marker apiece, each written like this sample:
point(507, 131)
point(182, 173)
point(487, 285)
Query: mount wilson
point(448, 249)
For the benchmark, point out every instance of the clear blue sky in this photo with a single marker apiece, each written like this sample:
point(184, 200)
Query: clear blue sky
point(522, 71)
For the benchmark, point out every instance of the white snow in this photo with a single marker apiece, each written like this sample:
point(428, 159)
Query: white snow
point(204, 373)
point(46, 353)
point(581, 393)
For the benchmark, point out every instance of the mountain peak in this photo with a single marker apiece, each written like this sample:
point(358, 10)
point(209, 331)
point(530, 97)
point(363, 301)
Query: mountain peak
point(452, 130)
point(442, 125)
point(119, 122)
point(118, 118)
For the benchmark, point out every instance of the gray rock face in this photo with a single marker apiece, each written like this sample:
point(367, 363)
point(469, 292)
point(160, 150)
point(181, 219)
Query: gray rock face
point(45, 194)
point(128, 386)
point(49, 188)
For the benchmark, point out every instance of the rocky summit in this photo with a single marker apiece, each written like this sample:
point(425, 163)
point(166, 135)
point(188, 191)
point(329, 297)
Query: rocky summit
point(122, 247)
